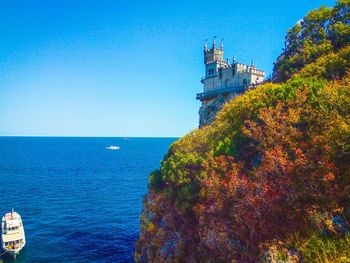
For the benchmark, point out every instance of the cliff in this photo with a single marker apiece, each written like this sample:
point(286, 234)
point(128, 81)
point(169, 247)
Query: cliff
point(211, 107)
point(268, 180)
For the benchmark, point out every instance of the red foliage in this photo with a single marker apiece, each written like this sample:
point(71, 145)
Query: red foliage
point(293, 178)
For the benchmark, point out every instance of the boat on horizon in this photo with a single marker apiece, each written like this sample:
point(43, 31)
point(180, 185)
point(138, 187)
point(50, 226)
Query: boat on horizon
point(12, 233)
point(113, 147)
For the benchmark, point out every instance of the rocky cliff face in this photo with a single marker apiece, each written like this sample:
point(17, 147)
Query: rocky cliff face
point(210, 108)
point(268, 179)
point(169, 235)
point(160, 236)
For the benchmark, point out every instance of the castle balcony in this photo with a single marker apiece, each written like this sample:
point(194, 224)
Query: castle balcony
point(208, 77)
point(221, 91)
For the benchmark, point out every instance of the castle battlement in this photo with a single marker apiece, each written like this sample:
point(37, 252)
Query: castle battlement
point(255, 71)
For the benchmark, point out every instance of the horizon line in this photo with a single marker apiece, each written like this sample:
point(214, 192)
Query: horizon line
point(78, 136)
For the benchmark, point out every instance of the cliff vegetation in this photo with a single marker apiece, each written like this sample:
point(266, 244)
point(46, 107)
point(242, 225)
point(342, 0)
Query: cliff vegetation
point(269, 179)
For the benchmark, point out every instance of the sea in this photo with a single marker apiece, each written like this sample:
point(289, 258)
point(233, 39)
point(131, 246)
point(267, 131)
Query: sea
point(79, 201)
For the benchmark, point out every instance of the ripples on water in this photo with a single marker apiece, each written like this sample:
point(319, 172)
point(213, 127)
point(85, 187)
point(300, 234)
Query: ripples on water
point(79, 202)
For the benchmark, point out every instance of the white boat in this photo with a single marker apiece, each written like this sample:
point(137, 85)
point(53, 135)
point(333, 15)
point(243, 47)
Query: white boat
point(12, 233)
point(112, 147)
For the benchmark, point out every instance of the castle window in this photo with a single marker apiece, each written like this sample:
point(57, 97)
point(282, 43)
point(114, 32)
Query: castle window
point(245, 83)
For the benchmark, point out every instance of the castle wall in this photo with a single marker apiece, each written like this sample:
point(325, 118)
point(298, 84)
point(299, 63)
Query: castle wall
point(256, 79)
point(231, 76)
point(211, 83)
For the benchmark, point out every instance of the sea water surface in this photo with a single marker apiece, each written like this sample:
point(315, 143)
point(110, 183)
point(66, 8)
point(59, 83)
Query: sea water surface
point(79, 201)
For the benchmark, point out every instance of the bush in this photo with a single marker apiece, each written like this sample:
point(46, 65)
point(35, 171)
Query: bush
point(320, 32)
point(155, 181)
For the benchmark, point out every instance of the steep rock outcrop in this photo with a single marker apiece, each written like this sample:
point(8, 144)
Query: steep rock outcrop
point(268, 178)
point(209, 108)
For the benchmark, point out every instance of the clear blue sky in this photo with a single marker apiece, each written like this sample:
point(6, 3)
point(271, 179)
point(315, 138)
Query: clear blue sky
point(124, 68)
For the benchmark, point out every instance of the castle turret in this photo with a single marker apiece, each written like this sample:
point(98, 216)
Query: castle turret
point(213, 54)
point(252, 64)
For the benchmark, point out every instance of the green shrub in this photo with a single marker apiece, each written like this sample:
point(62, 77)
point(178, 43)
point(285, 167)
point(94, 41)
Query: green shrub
point(155, 180)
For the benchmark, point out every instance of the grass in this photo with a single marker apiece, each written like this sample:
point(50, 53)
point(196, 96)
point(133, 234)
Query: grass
point(319, 248)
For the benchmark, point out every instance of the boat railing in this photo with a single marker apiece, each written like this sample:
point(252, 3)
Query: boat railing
point(14, 245)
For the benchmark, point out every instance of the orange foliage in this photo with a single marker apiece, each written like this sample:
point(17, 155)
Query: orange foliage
point(290, 176)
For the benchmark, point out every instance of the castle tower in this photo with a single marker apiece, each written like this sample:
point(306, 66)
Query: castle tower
point(213, 58)
point(222, 81)
point(212, 55)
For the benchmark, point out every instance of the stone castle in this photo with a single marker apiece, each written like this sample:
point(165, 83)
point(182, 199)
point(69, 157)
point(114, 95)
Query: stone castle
point(223, 81)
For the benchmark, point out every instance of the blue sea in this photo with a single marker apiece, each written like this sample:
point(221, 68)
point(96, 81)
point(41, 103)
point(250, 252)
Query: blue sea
point(79, 201)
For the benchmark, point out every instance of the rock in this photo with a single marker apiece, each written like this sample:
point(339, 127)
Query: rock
point(339, 224)
point(210, 108)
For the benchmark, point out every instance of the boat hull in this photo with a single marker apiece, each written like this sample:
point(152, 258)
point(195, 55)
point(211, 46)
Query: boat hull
point(13, 252)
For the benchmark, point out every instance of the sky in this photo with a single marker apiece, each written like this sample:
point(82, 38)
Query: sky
point(125, 68)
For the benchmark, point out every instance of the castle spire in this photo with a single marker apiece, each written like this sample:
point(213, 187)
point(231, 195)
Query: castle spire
point(205, 45)
point(222, 44)
point(252, 64)
point(233, 60)
point(214, 43)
